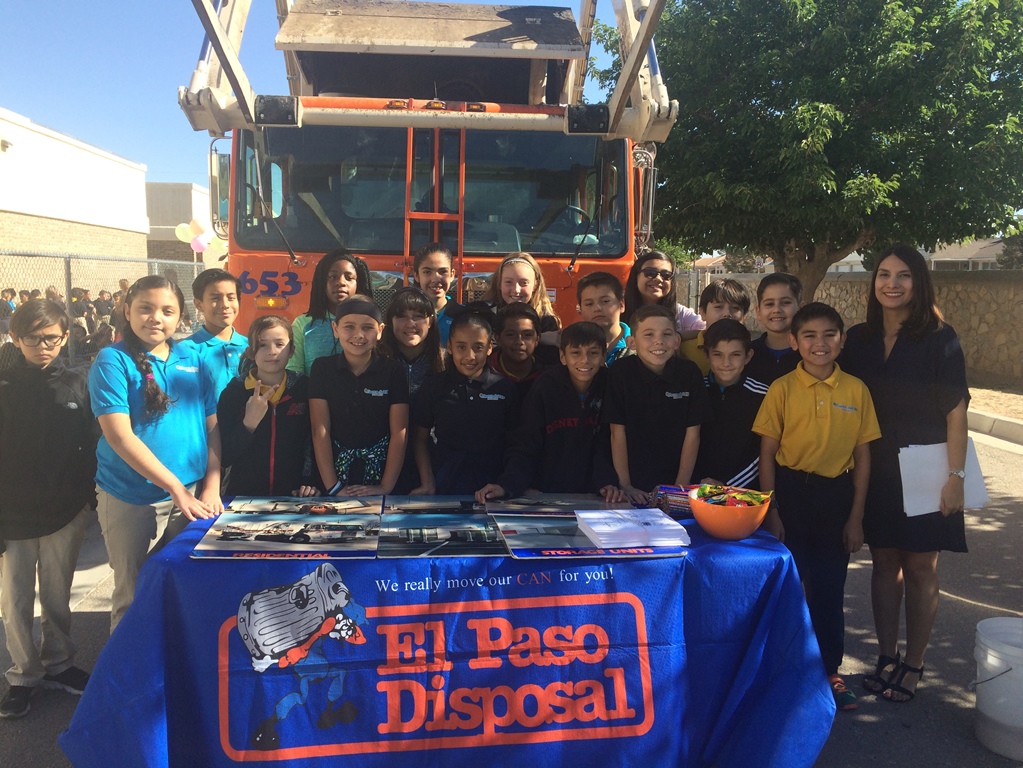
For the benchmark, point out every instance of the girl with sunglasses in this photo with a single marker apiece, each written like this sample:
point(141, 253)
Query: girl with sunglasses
point(652, 281)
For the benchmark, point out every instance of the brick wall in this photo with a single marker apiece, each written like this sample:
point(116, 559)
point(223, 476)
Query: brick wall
point(21, 232)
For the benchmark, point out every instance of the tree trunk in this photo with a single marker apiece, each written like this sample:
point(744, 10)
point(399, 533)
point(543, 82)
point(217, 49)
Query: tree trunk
point(809, 261)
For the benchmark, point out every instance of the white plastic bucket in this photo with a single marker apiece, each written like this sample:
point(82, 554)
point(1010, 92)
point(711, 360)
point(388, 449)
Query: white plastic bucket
point(999, 655)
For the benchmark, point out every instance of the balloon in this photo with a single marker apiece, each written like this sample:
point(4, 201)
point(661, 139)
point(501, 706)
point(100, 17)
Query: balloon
point(196, 228)
point(198, 245)
point(183, 233)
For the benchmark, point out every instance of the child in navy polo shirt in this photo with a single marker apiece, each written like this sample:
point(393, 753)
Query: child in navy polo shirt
point(561, 445)
point(358, 407)
point(463, 414)
point(778, 300)
point(655, 404)
point(215, 293)
point(729, 449)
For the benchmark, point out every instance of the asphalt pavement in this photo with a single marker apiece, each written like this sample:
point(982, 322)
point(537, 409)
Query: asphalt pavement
point(936, 729)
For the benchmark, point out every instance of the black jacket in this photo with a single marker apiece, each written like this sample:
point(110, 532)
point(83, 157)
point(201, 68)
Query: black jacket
point(47, 449)
point(560, 445)
point(729, 448)
point(276, 458)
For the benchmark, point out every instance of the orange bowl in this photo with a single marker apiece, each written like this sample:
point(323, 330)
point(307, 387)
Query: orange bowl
point(723, 522)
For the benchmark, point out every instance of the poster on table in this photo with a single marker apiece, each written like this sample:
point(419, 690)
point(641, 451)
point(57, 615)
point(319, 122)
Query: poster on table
point(310, 536)
point(459, 662)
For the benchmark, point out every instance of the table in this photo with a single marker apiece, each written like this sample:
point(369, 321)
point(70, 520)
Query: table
point(703, 660)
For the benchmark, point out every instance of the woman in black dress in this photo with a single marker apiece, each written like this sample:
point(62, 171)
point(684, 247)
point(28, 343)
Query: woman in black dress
point(912, 362)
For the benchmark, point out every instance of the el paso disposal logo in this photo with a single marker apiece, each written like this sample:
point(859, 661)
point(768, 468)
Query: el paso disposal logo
point(428, 676)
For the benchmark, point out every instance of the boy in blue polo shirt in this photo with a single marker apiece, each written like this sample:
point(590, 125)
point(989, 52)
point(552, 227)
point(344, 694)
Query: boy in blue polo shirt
point(601, 300)
point(215, 293)
point(815, 426)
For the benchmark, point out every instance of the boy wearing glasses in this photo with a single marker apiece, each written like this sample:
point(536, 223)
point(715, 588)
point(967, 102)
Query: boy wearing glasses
point(47, 464)
point(601, 300)
point(721, 298)
point(655, 404)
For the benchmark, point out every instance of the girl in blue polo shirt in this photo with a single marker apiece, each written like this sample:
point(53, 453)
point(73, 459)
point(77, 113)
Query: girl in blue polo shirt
point(158, 412)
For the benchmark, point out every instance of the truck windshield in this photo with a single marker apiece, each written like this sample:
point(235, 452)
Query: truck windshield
point(546, 193)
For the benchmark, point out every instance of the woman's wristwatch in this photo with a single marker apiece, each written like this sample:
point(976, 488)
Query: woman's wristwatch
point(960, 473)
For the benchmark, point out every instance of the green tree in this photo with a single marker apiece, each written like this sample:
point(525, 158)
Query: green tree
point(678, 253)
point(812, 128)
point(1011, 256)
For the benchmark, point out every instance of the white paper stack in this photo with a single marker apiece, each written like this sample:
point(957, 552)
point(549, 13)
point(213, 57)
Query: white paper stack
point(631, 528)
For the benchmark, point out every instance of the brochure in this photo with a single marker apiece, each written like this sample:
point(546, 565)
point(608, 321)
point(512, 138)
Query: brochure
point(432, 534)
point(631, 528)
point(309, 505)
point(316, 536)
point(531, 536)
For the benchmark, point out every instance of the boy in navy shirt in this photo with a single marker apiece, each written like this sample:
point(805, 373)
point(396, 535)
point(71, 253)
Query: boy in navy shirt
point(561, 445)
point(778, 300)
point(655, 404)
point(729, 449)
point(463, 414)
point(215, 294)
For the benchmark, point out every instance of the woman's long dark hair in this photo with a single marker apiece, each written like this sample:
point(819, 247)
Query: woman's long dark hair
point(633, 298)
point(924, 315)
point(318, 309)
point(155, 400)
point(412, 299)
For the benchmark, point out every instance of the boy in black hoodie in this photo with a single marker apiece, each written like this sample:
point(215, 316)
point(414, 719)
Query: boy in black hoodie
point(47, 463)
point(561, 445)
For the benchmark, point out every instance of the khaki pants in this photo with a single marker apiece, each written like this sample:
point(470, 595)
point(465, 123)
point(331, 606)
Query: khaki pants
point(131, 532)
point(54, 557)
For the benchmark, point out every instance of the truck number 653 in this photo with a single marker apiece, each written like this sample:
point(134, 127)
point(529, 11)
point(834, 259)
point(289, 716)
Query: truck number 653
point(270, 283)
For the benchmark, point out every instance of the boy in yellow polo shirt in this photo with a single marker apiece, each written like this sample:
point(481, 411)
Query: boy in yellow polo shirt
point(815, 426)
point(723, 297)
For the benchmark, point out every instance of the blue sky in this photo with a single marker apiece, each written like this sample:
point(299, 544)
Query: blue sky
point(107, 73)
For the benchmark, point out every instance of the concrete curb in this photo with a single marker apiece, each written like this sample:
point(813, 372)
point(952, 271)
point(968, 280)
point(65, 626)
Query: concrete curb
point(994, 425)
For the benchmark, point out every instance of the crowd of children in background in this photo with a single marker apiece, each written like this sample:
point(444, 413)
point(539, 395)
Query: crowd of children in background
point(428, 396)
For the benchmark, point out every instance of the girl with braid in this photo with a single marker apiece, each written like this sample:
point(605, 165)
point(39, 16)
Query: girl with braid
point(158, 462)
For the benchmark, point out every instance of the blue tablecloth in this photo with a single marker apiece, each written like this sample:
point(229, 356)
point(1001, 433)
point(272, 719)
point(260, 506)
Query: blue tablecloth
point(703, 660)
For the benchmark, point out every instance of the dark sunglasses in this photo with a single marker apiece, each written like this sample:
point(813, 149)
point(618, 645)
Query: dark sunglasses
point(651, 272)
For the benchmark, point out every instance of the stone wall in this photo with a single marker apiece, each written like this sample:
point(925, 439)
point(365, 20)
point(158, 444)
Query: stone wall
point(981, 306)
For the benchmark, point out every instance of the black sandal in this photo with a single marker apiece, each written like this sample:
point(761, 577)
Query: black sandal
point(896, 685)
point(877, 682)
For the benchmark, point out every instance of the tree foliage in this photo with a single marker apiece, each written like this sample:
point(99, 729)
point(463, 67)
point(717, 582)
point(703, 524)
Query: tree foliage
point(677, 252)
point(1011, 256)
point(812, 128)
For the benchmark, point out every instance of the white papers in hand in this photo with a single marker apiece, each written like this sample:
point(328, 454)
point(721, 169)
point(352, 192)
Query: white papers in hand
point(924, 470)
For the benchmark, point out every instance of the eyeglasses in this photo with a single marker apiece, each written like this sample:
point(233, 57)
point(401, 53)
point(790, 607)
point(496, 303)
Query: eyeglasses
point(34, 340)
point(650, 273)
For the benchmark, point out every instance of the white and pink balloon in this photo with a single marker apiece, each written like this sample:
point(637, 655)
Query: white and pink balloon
point(200, 239)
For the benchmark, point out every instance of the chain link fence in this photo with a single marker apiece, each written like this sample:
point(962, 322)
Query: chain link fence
point(27, 270)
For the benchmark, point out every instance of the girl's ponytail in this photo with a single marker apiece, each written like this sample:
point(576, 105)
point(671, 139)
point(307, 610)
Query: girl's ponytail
point(155, 400)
